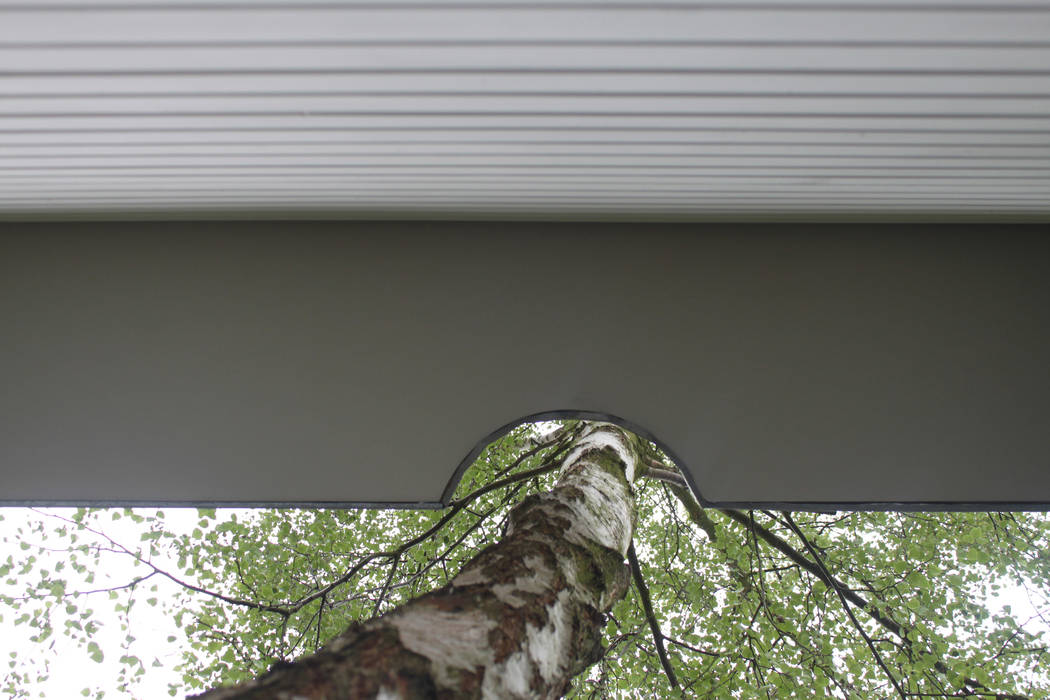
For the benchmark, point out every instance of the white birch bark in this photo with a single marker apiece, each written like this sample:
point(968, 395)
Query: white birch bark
point(519, 621)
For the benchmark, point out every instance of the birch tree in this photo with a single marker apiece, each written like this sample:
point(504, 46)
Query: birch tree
point(519, 621)
point(647, 595)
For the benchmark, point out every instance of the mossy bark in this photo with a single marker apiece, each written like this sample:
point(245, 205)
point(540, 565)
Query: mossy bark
point(519, 621)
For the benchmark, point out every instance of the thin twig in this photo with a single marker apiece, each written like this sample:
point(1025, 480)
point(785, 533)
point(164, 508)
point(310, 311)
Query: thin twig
point(320, 615)
point(386, 586)
point(690, 647)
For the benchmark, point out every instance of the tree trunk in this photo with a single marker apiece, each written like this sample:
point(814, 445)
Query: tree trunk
point(519, 621)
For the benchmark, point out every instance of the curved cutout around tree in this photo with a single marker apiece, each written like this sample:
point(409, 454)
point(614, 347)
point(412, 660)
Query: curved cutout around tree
point(566, 414)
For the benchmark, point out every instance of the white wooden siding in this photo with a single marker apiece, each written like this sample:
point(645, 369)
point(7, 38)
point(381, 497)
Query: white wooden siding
point(688, 109)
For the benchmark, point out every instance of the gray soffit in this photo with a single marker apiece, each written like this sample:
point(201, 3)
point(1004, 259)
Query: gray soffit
point(581, 109)
point(364, 363)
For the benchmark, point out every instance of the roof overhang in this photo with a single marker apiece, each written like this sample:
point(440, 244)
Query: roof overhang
point(365, 363)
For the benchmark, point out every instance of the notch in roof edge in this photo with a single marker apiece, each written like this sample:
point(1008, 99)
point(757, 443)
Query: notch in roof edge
point(810, 506)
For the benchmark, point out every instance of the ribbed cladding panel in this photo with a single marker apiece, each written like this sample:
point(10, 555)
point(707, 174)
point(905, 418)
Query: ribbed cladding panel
point(686, 109)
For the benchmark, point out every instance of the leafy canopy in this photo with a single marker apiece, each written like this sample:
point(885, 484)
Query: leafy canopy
point(726, 604)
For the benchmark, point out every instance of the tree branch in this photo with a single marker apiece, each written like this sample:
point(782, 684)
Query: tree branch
point(695, 511)
point(286, 611)
point(650, 616)
point(121, 549)
point(697, 514)
point(665, 475)
point(797, 557)
point(454, 508)
point(845, 604)
point(888, 623)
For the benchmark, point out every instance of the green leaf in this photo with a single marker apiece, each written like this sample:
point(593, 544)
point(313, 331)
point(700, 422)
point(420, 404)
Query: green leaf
point(95, 652)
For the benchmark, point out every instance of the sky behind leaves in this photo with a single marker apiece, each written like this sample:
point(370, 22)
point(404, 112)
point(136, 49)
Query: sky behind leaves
point(740, 619)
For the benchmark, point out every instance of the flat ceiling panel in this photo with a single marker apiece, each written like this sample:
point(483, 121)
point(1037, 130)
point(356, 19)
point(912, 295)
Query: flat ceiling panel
point(340, 363)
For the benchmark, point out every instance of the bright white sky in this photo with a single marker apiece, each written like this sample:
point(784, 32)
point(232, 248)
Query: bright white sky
point(75, 670)
point(150, 625)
